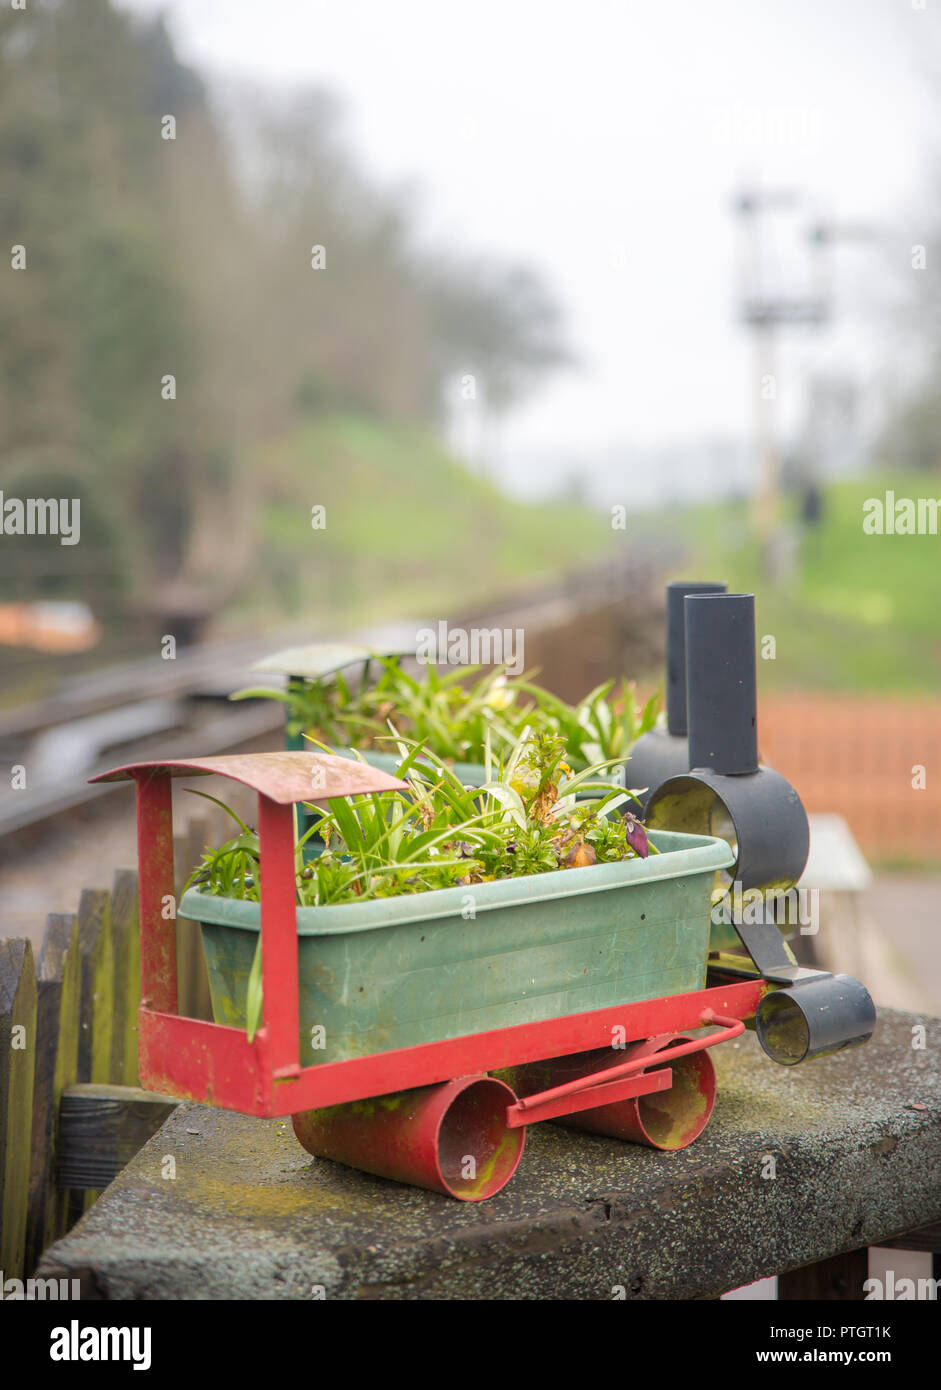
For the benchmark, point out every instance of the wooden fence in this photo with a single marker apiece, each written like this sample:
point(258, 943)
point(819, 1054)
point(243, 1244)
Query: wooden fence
point(874, 761)
point(68, 1031)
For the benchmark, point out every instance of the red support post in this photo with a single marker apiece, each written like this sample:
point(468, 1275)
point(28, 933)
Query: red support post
point(279, 935)
point(157, 905)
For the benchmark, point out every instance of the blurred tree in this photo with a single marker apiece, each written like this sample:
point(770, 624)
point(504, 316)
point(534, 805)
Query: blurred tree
point(169, 321)
point(94, 322)
point(497, 320)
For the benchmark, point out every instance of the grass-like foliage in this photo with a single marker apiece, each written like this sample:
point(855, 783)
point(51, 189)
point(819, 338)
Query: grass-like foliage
point(440, 834)
point(455, 717)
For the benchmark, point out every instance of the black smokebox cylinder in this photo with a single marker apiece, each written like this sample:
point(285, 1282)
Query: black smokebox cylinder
point(721, 686)
point(676, 650)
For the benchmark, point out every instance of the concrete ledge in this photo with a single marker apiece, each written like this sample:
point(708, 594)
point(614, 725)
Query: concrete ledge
point(855, 1138)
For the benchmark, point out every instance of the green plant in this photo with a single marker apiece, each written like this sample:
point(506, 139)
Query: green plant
point(598, 728)
point(439, 833)
point(455, 720)
point(327, 707)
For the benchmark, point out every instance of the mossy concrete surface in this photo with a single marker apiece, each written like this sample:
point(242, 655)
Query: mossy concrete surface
point(796, 1164)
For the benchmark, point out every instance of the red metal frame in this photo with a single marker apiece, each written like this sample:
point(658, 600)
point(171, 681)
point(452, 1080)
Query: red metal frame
point(548, 1105)
point(203, 1061)
point(622, 1082)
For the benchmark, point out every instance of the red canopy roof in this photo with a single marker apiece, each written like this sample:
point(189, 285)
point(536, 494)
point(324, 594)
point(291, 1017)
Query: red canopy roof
point(282, 776)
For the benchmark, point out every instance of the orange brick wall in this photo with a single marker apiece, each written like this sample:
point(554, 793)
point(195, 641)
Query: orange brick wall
point(855, 756)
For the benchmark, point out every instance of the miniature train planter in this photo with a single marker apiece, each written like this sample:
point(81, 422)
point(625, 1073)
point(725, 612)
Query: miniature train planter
point(436, 1061)
point(427, 1111)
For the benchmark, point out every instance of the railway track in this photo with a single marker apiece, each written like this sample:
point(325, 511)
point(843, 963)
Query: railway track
point(102, 718)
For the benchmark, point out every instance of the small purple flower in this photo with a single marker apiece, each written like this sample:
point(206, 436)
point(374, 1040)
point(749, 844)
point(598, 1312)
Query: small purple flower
point(636, 835)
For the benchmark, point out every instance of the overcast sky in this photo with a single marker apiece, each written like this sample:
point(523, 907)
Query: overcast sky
point(602, 141)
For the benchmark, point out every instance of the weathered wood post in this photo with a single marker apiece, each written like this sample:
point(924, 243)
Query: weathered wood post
point(17, 1059)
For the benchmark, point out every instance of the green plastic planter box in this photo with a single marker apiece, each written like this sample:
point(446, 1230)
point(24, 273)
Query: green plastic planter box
point(399, 971)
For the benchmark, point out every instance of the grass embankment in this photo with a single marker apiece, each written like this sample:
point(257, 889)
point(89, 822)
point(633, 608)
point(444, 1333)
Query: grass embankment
point(407, 527)
point(862, 612)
